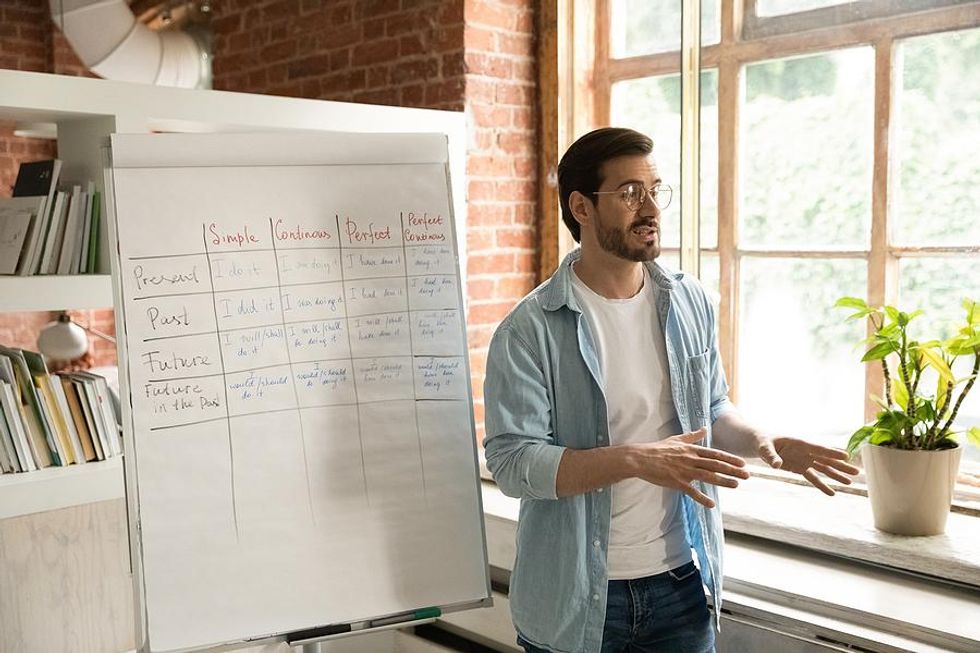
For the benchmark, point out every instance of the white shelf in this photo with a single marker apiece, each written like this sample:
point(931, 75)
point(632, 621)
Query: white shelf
point(50, 292)
point(54, 488)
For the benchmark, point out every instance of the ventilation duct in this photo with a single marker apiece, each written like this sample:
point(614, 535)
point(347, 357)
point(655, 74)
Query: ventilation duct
point(112, 43)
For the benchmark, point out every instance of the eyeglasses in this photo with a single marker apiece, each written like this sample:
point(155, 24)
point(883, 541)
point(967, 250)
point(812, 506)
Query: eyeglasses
point(634, 194)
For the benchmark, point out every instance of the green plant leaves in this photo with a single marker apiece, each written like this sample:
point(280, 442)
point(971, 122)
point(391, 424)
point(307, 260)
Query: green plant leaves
point(858, 438)
point(879, 351)
point(973, 435)
point(915, 422)
point(936, 361)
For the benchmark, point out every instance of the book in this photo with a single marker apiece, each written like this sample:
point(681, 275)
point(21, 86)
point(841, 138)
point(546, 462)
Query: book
point(8, 456)
point(11, 413)
point(49, 412)
point(58, 390)
point(103, 411)
point(18, 216)
point(55, 232)
point(85, 401)
point(40, 437)
point(80, 259)
point(78, 416)
point(15, 422)
point(35, 246)
point(69, 237)
point(93, 240)
point(37, 177)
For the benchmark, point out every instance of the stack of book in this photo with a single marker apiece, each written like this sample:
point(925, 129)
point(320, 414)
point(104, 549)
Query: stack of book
point(47, 230)
point(52, 419)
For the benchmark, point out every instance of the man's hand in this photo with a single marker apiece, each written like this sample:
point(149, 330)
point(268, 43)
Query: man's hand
point(676, 462)
point(807, 459)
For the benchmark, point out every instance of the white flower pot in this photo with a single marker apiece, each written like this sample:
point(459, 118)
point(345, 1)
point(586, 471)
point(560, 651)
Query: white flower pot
point(910, 491)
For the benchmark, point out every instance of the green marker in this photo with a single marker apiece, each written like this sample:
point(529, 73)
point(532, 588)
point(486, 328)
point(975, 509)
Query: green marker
point(418, 615)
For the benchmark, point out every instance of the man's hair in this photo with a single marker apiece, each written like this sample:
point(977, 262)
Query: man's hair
point(580, 167)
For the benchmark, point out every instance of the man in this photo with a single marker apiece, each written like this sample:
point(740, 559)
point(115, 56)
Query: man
point(607, 414)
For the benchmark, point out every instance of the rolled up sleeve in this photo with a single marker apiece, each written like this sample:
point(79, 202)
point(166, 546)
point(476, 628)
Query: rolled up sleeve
point(520, 447)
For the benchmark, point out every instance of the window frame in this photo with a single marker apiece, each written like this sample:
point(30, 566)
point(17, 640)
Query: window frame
point(586, 78)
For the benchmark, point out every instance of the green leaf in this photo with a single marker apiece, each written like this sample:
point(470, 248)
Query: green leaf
point(879, 351)
point(881, 402)
point(936, 361)
point(973, 435)
point(851, 302)
point(881, 436)
point(972, 308)
point(899, 391)
point(941, 395)
point(864, 312)
point(892, 313)
point(858, 438)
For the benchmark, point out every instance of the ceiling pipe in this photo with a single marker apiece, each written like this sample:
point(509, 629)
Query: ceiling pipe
point(112, 43)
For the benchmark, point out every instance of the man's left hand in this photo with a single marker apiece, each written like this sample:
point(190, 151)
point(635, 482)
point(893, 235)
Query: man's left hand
point(809, 460)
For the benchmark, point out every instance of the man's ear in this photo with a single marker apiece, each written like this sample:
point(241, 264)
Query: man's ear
point(581, 207)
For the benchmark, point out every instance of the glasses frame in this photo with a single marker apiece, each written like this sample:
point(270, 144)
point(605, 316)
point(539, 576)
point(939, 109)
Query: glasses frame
point(647, 192)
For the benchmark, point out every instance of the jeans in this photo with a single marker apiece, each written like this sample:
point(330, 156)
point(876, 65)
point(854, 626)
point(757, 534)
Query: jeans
point(664, 613)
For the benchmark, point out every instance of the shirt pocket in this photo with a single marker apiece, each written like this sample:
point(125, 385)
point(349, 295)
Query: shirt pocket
point(698, 383)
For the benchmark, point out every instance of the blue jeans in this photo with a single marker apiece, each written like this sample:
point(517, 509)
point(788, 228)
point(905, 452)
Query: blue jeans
point(664, 613)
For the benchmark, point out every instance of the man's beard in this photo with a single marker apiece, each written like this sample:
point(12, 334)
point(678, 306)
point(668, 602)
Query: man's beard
point(616, 241)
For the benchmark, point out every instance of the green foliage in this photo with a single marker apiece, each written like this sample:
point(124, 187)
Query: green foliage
point(910, 418)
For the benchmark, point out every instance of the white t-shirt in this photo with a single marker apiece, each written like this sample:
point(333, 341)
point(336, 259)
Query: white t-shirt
point(646, 534)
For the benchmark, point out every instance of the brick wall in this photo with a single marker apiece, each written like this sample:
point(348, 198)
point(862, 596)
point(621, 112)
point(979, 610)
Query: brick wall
point(501, 168)
point(461, 55)
point(395, 52)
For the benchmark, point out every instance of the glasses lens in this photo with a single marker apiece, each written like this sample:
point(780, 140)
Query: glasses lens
point(662, 195)
point(633, 196)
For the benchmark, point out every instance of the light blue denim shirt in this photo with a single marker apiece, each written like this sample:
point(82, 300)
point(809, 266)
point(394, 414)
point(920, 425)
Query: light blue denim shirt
point(543, 394)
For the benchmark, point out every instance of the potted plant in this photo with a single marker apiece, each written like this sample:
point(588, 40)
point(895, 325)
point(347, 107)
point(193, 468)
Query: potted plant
point(912, 455)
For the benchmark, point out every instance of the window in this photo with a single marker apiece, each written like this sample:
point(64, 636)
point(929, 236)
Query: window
point(833, 162)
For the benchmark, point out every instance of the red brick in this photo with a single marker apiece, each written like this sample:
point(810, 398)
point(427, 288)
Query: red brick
point(510, 93)
point(376, 52)
point(489, 214)
point(484, 12)
point(518, 191)
point(516, 237)
point(412, 96)
point(279, 50)
point(479, 240)
point(491, 263)
point(510, 43)
point(316, 64)
point(480, 190)
point(514, 286)
point(411, 71)
point(477, 289)
point(411, 44)
point(447, 91)
point(489, 65)
point(479, 40)
point(489, 313)
point(478, 337)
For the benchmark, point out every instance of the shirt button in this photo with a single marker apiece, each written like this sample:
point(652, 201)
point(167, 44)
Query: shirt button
point(596, 543)
point(595, 597)
point(600, 489)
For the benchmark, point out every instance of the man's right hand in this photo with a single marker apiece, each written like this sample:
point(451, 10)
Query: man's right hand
point(677, 461)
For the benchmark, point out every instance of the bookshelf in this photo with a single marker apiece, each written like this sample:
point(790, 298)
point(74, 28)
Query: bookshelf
point(55, 488)
point(86, 113)
point(55, 292)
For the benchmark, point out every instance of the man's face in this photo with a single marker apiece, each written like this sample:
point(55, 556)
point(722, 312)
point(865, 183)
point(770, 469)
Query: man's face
point(630, 234)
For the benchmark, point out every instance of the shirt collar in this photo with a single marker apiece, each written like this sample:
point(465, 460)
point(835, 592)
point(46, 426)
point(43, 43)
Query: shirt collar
point(558, 290)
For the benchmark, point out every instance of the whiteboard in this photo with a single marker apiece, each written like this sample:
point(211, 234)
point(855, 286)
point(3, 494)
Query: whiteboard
point(299, 431)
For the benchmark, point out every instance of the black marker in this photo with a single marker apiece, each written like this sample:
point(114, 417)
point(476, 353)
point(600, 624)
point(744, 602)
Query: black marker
point(321, 631)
